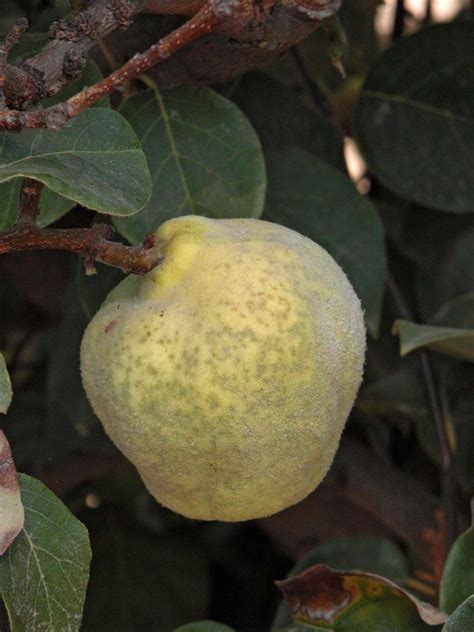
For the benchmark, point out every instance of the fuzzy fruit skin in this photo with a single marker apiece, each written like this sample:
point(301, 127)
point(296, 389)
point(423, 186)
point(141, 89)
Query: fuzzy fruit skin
point(226, 374)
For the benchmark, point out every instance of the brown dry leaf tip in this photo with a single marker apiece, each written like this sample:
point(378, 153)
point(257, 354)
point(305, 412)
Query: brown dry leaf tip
point(317, 593)
point(321, 594)
point(12, 515)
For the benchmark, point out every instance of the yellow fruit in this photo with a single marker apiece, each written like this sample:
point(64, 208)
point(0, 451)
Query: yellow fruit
point(226, 374)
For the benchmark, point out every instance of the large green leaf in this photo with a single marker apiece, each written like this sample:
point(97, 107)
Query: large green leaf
point(310, 196)
point(458, 343)
point(415, 118)
point(204, 157)
point(96, 160)
point(457, 583)
point(44, 573)
point(5, 386)
point(462, 618)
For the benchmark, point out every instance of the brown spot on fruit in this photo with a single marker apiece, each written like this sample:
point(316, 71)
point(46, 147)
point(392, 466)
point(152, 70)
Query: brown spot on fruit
point(110, 326)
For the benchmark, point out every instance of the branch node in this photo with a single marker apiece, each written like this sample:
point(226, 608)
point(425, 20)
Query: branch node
point(73, 64)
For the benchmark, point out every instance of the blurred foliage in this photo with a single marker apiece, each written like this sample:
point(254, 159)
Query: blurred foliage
point(404, 234)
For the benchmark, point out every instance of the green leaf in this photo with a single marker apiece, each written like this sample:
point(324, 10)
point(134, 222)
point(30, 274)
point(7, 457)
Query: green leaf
point(204, 626)
point(373, 554)
point(415, 118)
point(462, 618)
point(281, 119)
point(44, 574)
point(6, 392)
point(313, 198)
point(458, 343)
point(204, 157)
point(350, 601)
point(457, 582)
point(96, 161)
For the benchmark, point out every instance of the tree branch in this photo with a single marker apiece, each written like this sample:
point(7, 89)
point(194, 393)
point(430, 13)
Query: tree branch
point(92, 243)
point(64, 58)
point(57, 116)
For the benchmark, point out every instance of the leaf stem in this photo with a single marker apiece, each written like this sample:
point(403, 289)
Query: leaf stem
point(448, 487)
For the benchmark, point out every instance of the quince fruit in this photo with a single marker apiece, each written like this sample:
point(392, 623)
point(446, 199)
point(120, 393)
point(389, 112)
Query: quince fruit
point(227, 373)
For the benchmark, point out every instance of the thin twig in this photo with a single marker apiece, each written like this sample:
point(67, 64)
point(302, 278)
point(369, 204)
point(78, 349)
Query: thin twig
point(448, 487)
point(30, 195)
point(92, 243)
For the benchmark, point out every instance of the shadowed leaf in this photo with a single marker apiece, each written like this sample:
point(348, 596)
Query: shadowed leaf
point(415, 118)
